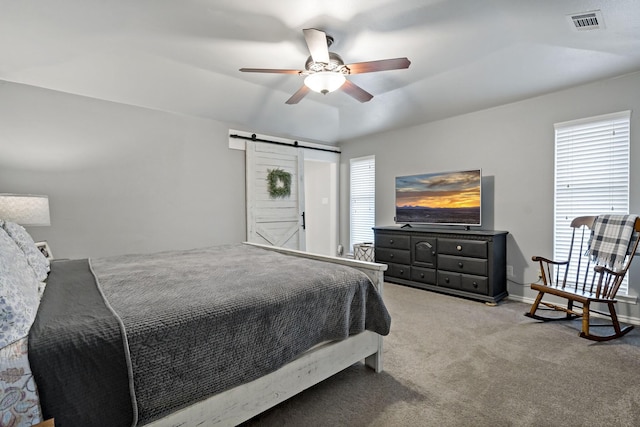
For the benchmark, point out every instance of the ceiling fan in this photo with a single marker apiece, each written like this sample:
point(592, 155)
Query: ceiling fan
point(325, 71)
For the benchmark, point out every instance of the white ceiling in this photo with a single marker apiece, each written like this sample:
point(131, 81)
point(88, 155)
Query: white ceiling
point(184, 56)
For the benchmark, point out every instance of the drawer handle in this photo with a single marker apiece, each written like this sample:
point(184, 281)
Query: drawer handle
point(446, 279)
point(401, 271)
point(459, 247)
point(422, 275)
point(475, 285)
point(390, 255)
point(433, 253)
point(460, 265)
point(391, 241)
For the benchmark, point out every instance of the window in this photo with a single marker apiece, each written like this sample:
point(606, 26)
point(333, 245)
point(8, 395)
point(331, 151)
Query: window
point(363, 199)
point(591, 173)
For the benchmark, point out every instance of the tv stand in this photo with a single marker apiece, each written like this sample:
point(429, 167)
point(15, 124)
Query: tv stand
point(466, 263)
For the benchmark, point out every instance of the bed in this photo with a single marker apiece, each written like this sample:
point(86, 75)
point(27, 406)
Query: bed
point(285, 341)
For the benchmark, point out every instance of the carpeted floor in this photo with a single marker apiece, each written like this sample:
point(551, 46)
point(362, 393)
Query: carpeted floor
point(455, 362)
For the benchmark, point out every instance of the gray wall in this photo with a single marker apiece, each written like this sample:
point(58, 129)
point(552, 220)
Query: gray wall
point(125, 179)
point(120, 179)
point(514, 146)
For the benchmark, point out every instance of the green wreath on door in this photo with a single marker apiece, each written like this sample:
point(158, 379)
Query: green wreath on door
point(279, 183)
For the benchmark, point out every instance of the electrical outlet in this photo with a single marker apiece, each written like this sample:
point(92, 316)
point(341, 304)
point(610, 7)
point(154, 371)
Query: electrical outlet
point(509, 270)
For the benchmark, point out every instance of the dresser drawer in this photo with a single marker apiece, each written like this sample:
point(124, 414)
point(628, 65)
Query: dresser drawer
point(463, 265)
point(398, 256)
point(424, 251)
point(398, 270)
point(477, 284)
point(424, 275)
point(470, 248)
point(465, 282)
point(392, 241)
point(449, 280)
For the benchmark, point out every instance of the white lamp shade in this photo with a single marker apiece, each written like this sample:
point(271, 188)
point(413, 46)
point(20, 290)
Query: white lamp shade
point(25, 209)
point(324, 81)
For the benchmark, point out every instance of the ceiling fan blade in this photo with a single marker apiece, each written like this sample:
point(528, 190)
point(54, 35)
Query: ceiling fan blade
point(356, 91)
point(317, 44)
point(269, 70)
point(296, 97)
point(381, 65)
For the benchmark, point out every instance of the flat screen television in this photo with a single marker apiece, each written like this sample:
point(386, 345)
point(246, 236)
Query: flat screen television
point(442, 198)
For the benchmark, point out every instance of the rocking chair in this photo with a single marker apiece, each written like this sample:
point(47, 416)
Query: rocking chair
point(602, 249)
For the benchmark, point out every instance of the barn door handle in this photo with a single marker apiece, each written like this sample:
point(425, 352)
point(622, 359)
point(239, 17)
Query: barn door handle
point(304, 225)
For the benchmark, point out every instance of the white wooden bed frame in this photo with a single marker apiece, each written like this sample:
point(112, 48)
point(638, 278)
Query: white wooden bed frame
point(245, 401)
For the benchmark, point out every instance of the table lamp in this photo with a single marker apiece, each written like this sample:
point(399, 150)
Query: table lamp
point(25, 209)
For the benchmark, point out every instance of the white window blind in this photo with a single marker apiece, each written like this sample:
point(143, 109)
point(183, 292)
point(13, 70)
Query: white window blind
point(363, 199)
point(591, 173)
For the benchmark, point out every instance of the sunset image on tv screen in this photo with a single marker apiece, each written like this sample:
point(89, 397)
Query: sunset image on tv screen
point(439, 198)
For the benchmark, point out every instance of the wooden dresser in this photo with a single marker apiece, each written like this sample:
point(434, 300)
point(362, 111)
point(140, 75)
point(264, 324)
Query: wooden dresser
point(465, 263)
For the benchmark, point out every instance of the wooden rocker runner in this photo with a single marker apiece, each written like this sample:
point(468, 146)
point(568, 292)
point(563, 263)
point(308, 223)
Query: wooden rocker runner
point(600, 254)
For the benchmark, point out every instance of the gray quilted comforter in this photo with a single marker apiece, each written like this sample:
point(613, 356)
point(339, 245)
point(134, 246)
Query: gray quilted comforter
point(201, 321)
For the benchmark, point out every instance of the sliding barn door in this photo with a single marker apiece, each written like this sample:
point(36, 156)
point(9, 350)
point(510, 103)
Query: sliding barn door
point(276, 220)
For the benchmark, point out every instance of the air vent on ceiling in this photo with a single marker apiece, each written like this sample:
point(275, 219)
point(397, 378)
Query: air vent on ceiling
point(587, 21)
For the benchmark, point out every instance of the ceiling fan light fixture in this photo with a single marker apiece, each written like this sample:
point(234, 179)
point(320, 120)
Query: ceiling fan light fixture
point(325, 71)
point(324, 81)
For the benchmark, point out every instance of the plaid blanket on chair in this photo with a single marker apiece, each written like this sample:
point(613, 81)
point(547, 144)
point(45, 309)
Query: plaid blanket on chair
point(610, 237)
